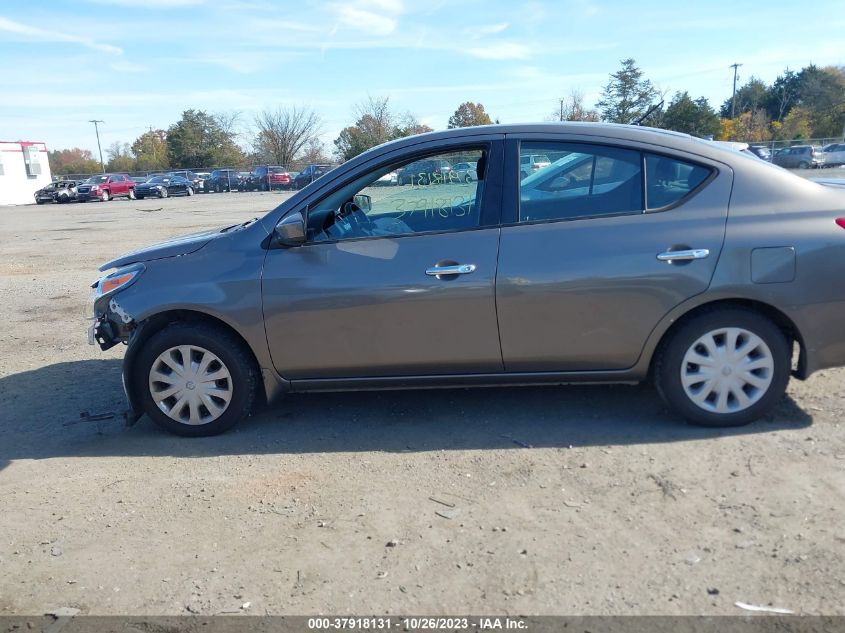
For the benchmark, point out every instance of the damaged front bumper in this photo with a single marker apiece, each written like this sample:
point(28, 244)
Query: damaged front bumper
point(110, 327)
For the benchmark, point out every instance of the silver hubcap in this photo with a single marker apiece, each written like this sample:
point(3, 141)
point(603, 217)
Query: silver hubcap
point(727, 370)
point(190, 384)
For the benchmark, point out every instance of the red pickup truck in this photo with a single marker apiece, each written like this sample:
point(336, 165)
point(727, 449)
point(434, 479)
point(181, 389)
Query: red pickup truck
point(105, 187)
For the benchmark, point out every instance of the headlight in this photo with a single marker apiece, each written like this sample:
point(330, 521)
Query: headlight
point(118, 279)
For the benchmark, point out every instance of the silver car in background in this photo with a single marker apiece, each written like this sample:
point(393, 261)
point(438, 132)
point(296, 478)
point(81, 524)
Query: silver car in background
point(631, 254)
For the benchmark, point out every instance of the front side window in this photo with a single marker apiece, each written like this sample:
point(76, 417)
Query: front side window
point(426, 195)
point(668, 180)
point(579, 181)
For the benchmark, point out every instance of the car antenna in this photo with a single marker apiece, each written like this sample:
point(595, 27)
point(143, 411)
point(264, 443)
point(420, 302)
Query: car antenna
point(639, 120)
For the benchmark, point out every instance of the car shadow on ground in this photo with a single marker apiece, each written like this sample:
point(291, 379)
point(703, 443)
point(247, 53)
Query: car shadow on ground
point(40, 418)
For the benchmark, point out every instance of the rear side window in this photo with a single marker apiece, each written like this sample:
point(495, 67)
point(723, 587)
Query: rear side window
point(669, 180)
point(579, 181)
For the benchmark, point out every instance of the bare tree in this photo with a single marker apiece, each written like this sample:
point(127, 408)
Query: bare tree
point(283, 133)
point(572, 108)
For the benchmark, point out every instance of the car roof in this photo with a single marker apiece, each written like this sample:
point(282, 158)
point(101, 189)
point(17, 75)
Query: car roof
point(603, 132)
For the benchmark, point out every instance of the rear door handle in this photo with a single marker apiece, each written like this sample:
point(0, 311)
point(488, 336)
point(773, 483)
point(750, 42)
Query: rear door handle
point(457, 269)
point(684, 256)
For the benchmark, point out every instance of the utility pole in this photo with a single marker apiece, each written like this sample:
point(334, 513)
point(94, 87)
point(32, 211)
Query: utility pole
point(735, 66)
point(561, 109)
point(99, 149)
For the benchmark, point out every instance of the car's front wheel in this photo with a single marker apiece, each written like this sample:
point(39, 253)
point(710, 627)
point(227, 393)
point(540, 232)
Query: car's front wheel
point(104, 196)
point(724, 367)
point(189, 191)
point(195, 379)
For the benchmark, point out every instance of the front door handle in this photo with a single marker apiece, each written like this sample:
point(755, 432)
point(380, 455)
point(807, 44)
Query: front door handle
point(684, 256)
point(457, 269)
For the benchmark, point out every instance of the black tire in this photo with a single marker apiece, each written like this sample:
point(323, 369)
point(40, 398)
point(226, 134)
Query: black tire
point(670, 356)
point(223, 344)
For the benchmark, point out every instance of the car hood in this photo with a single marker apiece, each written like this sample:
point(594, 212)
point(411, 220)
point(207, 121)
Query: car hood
point(184, 245)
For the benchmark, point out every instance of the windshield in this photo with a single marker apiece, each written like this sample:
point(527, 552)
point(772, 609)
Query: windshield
point(159, 179)
point(97, 179)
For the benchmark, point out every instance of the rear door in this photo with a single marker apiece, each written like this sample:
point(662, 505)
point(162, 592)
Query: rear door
point(584, 274)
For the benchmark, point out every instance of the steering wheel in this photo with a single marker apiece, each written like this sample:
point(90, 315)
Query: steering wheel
point(351, 219)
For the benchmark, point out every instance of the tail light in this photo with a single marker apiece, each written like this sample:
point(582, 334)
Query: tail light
point(841, 222)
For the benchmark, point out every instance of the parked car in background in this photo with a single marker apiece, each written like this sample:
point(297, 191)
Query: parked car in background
point(46, 194)
point(164, 186)
point(390, 178)
point(310, 174)
point(66, 191)
point(531, 163)
point(267, 178)
point(138, 179)
point(800, 157)
point(834, 155)
point(465, 172)
point(761, 151)
point(106, 187)
point(195, 179)
point(221, 180)
point(203, 176)
point(640, 255)
point(424, 172)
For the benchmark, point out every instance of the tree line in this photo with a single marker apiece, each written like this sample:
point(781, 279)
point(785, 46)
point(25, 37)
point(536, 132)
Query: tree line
point(806, 104)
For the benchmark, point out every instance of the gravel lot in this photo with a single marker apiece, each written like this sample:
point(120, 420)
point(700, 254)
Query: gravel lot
point(577, 500)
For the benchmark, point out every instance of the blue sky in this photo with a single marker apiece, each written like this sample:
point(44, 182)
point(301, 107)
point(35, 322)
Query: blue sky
point(139, 63)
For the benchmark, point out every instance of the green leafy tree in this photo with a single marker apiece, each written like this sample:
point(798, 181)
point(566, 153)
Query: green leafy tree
point(73, 161)
point(783, 95)
point(821, 92)
point(469, 114)
point(375, 124)
point(199, 140)
point(120, 157)
point(693, 116)
point(754, 95)
point(627, 96)
point(150, 150)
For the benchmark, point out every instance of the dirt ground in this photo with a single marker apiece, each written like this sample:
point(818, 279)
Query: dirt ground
point(577, 500)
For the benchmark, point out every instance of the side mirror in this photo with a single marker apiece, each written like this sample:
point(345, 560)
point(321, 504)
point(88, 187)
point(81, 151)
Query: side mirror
point(364, 202)
point(290, 231)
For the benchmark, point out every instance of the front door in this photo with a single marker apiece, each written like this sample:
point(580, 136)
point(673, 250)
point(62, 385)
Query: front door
point(393, 281)
point(584, 270)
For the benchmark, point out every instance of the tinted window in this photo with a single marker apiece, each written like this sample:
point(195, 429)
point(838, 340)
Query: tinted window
point(432, 200)
point(669, 179)
point(580, 181)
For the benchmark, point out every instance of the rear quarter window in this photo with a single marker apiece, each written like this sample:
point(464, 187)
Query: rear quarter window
point(669, 180)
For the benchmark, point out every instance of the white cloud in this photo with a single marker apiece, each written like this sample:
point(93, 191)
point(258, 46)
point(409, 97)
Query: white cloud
point(44, 35)
point(476, 32)
point(499, 50)
point(375, 17)
point(151, 4)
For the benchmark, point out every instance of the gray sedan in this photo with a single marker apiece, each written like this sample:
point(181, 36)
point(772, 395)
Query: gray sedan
point(634, 254)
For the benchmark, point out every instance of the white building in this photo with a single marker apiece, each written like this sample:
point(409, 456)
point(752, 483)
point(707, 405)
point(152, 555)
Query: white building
point(24, 169)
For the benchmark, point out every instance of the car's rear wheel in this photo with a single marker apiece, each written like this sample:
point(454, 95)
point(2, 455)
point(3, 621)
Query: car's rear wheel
point(131, 194)
point(195, 379)
point(724, 367)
